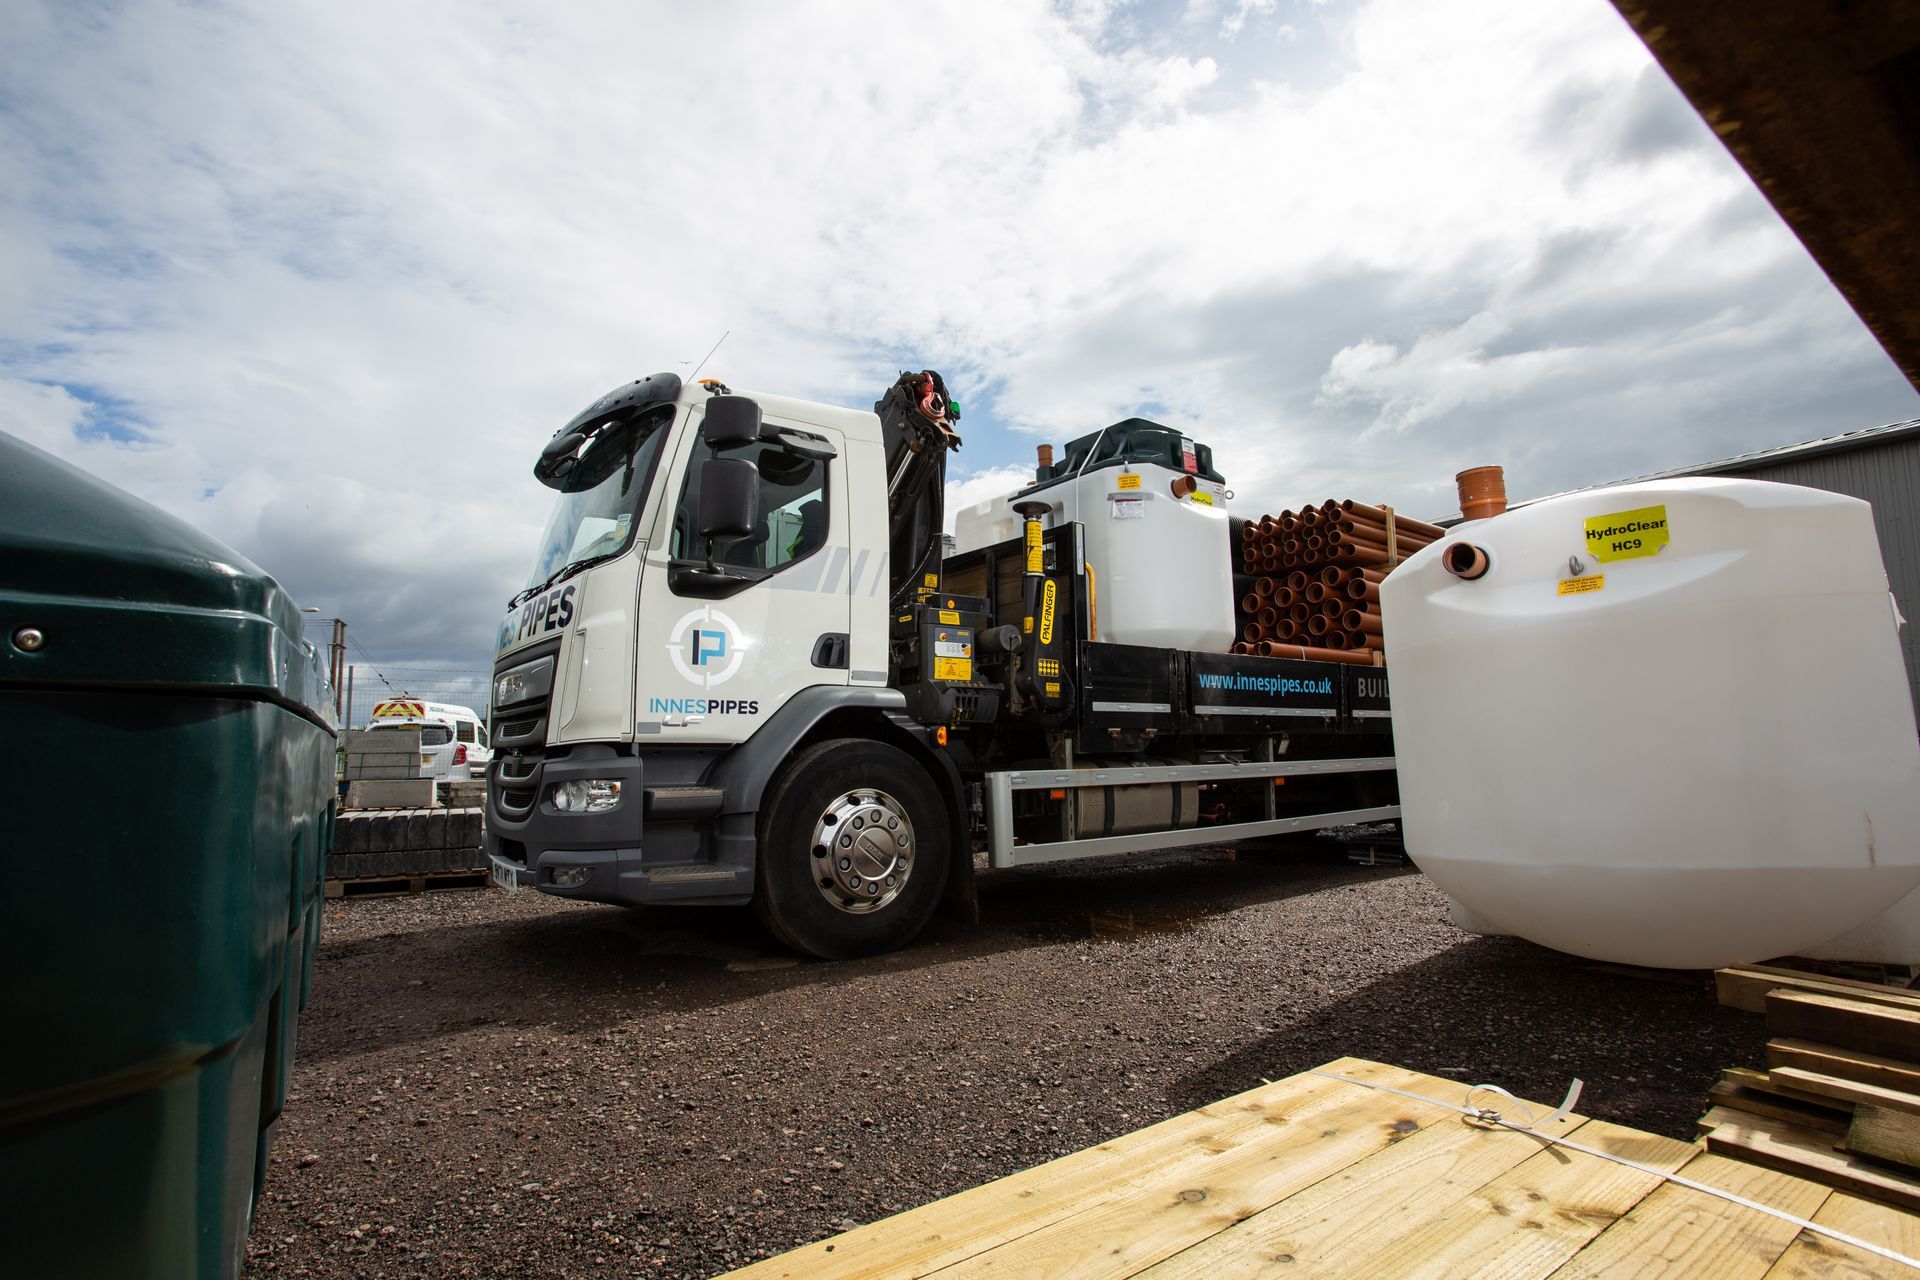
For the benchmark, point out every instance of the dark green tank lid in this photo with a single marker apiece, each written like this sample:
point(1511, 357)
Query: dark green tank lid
point(123, 595)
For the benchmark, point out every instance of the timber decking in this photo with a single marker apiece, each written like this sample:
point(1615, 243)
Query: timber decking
point(1311, 1176)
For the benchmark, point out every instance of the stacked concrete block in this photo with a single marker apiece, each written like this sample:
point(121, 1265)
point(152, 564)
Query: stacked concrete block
point(405, 842)
point(466, 793)
point(383, 770)
point(381, 754)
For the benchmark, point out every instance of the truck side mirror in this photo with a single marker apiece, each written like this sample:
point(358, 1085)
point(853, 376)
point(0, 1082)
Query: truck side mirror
point(731, 421)
point(557, 460)
point(729, 500)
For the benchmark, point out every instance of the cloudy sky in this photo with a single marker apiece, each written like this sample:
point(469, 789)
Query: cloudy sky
point(321, 277)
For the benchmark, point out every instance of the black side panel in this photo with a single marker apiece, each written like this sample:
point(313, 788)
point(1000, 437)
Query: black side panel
point(1367, 696)
point(1235, 693)
point(1130, 687)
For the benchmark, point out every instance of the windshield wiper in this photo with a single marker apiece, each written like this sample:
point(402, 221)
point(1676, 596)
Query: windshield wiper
point(560, 575)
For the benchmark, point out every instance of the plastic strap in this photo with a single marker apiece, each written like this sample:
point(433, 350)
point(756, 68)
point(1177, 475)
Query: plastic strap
point(1488, 1116)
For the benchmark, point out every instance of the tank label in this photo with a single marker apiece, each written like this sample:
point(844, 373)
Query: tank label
point(1202, 497)
point(1127, 508)
point(1580, 586)
point(1627, 535)
point(1128, 480)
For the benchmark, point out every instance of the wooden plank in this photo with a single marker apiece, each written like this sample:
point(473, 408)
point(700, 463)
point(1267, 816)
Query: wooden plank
point(1820, 1085)
point(1677, 1231)
point(1867, 1068)
point(1813, 1255)
point(1720, 1114)
point(1746, 987)
point(1810, 1155)
point(1523, 1223)
point(1888, 1136)
point(1148, 1221)
point(944, 1232)
point(1354, 1212)
point(1827, 1119)
point(1845, 1022)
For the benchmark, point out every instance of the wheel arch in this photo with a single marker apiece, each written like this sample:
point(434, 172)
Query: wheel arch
point(878, 715)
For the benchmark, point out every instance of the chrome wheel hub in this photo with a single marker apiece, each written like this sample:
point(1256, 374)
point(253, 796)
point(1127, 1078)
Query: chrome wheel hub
point(862, 851)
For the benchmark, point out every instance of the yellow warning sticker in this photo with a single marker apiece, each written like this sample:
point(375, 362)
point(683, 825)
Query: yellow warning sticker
point(1127, 480)
point(1580, 586)
point(1048, 594)
point(950, 617)
point(953, 668)
point(1627, 535)
point(1053, 688)
point(1202, 497)
point(933, 580)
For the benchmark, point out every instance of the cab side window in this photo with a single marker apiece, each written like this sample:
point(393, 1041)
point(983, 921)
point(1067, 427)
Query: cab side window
point(793, 510)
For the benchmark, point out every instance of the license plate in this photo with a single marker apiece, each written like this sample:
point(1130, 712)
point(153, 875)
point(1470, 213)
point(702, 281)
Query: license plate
point(504, 877)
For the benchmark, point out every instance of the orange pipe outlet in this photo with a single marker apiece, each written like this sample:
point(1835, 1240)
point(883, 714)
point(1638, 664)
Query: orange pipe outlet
point(1483, 492)
point(1361, 620)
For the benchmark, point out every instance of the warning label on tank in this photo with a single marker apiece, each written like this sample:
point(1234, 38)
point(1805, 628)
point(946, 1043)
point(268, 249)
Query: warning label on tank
point(1627, 535)
point(1128, 480)
point(1580, 586)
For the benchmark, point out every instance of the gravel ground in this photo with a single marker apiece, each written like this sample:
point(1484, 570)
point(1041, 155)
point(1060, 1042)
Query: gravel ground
point(507, 1085)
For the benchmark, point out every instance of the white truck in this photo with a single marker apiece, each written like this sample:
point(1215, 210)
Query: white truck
point(743, 671)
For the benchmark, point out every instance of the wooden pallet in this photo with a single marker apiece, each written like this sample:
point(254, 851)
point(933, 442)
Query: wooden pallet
point(1839, 1100)
point(391, 886)
point(1312, 1176)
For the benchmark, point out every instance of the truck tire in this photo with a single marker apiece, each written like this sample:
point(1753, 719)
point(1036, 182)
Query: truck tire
point(854, 845)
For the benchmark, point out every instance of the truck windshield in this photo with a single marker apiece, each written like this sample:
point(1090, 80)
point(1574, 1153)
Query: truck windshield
point(599, 503)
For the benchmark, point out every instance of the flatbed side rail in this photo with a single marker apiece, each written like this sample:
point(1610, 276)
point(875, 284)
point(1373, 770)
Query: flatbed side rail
point(1003, 852)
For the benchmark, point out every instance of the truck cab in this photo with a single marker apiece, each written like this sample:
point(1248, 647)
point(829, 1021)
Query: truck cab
point(733, 675)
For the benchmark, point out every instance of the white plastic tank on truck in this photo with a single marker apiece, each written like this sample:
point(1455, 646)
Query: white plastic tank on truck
point(742, 670)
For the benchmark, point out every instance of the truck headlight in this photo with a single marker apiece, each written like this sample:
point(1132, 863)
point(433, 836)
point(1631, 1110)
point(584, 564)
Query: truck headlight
point(592, 795)
point(524, 684)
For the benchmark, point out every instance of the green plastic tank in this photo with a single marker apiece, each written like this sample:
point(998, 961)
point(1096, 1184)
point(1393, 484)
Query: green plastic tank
point(170, 794)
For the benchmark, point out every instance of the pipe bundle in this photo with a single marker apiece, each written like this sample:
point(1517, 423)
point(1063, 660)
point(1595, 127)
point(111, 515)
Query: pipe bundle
point(1309, 581)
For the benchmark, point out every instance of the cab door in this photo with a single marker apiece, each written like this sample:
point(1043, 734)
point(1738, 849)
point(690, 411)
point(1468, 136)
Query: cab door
point(716, 659)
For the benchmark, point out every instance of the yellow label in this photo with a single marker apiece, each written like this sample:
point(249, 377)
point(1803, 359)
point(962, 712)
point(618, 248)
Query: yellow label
point(1627, 535)
point(950, 617)
point(953, 668)
point(1047, 595)
point(1053, 688)
point(1580, 586)
point(1203, 498)
point(1129, 480)
point(1026, 626)
point(933, 580)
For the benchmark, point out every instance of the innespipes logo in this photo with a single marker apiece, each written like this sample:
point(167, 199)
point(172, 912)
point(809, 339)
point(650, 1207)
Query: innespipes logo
point(707, 647)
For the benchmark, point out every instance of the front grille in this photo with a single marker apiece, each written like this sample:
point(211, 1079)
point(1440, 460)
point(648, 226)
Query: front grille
point(519, 752)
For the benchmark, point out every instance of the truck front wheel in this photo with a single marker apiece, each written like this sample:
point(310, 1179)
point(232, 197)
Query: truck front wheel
point(853, 850)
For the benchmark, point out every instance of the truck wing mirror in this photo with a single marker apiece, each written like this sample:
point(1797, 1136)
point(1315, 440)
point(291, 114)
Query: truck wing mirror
point(557, 460)
point(731, 421)
point(729, 499)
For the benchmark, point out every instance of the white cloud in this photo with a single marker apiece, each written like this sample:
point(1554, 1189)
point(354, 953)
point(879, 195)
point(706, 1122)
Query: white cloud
point(964, 489)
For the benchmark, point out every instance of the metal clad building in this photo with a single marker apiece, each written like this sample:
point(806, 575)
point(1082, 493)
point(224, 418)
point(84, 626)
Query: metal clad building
point(1880, 465)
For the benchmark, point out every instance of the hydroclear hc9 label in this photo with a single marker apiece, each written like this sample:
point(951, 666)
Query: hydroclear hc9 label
point(1627, 535)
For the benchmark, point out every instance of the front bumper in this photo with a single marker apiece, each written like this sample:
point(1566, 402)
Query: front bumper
point(651, 847)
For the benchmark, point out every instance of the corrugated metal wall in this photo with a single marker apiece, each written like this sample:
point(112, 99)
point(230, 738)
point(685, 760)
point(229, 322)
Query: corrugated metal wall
point(1888, 476)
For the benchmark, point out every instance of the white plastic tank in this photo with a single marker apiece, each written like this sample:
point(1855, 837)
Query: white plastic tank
point(1162, 564)
point(1668, 725)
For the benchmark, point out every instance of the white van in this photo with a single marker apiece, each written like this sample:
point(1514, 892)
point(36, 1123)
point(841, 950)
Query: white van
point(453, 740)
